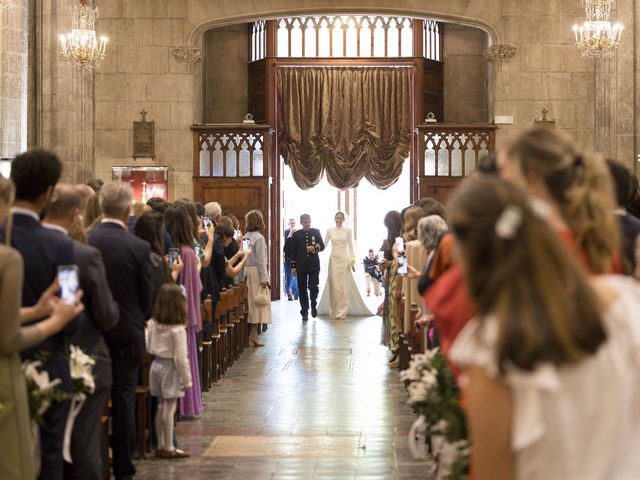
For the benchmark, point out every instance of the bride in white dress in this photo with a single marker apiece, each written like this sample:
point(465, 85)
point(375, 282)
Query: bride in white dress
point(341, 297)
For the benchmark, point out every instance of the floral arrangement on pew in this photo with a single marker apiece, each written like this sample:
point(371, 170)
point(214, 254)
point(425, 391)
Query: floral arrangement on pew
point(435, 396)
point(42, 392)
point(83, 381)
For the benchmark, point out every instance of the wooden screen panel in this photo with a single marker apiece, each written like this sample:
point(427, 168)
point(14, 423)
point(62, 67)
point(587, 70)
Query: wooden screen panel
point(439, 188)
point(433, 89)
point(238, 196)
point(257, 91)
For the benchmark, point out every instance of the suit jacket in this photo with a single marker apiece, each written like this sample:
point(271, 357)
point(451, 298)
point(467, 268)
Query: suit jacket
point(43, 250)
point(630, 228)
point(126, 259)
point(299, 258)
point(101, 311)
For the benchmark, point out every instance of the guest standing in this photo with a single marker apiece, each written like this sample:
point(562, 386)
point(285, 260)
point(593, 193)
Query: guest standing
point(35, 174)
point(88, 448)
point(180, 228)
point(126, 259)
point(372, 274)
point(16, 461)
point(257, 274)
point(390, 318)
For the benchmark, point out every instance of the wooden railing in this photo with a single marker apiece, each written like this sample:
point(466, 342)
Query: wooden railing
point(231, 150)
point(448, 150)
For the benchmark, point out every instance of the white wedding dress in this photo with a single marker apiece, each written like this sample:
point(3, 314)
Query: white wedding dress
point(340, 297)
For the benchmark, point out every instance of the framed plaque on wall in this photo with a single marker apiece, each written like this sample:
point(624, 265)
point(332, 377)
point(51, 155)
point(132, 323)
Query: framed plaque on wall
point(147, 182)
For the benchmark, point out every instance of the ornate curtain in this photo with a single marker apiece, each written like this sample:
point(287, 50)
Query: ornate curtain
point(351, 123)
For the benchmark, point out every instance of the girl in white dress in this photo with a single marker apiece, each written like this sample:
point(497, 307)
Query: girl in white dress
point(551, 364)
point(341, 297)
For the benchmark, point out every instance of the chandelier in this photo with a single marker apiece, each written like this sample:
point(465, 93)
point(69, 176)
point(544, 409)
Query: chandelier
point(81, 47)
point(597, 37)
point(6, 4)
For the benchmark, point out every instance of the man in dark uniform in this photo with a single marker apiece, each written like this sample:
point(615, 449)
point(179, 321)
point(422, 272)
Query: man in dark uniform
point(305, 265)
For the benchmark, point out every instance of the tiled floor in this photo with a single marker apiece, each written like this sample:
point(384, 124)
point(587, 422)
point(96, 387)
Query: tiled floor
point(318, 402)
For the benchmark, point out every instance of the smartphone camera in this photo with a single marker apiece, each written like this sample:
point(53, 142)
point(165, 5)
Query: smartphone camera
point(402, 265)
point(68, 282)
point(380, 256)
point(400, 244)
point(173, 256)
point(206, 222)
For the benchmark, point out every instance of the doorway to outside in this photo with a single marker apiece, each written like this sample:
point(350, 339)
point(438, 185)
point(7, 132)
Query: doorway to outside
point(364, 206)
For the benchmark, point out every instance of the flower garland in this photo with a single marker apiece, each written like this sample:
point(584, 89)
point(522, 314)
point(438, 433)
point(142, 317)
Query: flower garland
point(435, 396)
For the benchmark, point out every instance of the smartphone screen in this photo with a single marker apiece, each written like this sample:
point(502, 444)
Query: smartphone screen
point(402, 265)
point(68, 282)
point(173, 256)
point(246, 244)
point(380, 256)
point(400, 244)
point(206, 222)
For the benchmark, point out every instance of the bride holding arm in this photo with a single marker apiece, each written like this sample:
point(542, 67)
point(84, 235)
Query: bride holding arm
point(341, 297)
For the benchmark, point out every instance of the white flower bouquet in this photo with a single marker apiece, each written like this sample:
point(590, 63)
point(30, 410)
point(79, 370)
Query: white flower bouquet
point(81, 367)
point(352, 263)
point(41, 390)
point(435, 396)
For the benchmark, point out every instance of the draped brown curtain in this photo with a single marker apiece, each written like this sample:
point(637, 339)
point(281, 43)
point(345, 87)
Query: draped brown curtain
point(351, 123)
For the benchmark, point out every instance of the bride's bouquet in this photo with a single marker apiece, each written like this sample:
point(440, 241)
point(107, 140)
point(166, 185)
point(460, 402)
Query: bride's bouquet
point(352, 263)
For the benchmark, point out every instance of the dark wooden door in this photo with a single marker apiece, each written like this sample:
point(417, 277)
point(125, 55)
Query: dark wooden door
point(439, 188)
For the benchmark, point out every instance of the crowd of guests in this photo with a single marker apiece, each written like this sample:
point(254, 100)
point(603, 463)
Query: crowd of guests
point(526, 283)
point(143, 271)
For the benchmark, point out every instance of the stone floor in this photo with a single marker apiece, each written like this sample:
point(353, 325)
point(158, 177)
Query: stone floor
point(318, 402)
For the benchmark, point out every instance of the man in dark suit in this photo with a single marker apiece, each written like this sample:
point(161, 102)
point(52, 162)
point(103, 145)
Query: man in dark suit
point(625, 190)
point(305, 264)
point(126, 258)
point(35, 173)
point(88, 449)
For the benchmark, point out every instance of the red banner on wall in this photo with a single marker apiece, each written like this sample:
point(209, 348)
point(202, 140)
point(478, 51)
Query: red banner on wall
point(147, 182)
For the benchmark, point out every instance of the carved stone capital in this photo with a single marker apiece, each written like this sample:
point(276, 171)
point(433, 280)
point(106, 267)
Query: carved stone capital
point(500, 53)
point(187, 54)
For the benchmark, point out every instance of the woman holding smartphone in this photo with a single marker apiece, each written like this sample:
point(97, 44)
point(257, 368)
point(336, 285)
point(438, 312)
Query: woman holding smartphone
point(16, 461)
point(257, 273)
point(390, 330)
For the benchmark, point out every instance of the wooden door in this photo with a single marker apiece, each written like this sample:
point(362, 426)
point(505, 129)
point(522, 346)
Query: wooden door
point(236, 195)
point(438, 188)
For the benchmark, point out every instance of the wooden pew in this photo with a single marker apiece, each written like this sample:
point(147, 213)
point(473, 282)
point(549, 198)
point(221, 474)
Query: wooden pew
point(207, 347)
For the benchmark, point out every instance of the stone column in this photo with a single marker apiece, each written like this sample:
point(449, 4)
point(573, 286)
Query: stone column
point(64, 94)
point(614, 97)
point(14, 41)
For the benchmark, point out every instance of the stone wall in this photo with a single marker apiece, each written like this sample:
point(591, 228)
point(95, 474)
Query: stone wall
point(226, 80)
point(465, 74)
point(13, 78)
point(140, 72)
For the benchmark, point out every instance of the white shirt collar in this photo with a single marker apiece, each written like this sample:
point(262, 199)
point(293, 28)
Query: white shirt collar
point(57, 228)
point(27, 212)
point(114, 220)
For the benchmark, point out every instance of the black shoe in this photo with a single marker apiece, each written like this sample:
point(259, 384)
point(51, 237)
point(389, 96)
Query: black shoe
point(394, 356)
point(314, 312)
point(295, 298)
point(305, 319)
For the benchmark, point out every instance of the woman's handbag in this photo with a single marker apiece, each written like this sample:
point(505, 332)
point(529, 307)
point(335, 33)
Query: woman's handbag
point(263, 297)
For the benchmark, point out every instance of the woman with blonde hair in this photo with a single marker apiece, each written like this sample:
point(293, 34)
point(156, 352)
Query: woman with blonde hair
point(256, 274)
point(16, 461)
point(551, 359)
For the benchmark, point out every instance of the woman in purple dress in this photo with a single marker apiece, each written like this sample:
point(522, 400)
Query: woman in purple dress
point(179, 227)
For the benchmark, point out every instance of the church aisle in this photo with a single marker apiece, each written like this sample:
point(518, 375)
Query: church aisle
point(318, 402)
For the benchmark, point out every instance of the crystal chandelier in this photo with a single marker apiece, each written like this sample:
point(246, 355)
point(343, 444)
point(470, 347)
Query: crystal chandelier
point(597, 37)
point(81, 46)
point(6, 4)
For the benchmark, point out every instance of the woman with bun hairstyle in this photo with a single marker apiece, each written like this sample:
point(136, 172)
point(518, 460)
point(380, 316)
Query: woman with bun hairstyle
point(550, 361)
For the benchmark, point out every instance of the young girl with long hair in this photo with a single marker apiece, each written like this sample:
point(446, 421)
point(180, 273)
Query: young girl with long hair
point(170, 373)
point(551, 359)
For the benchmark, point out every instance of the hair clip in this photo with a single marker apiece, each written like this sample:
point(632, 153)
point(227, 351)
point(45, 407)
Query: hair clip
point(509, 222)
